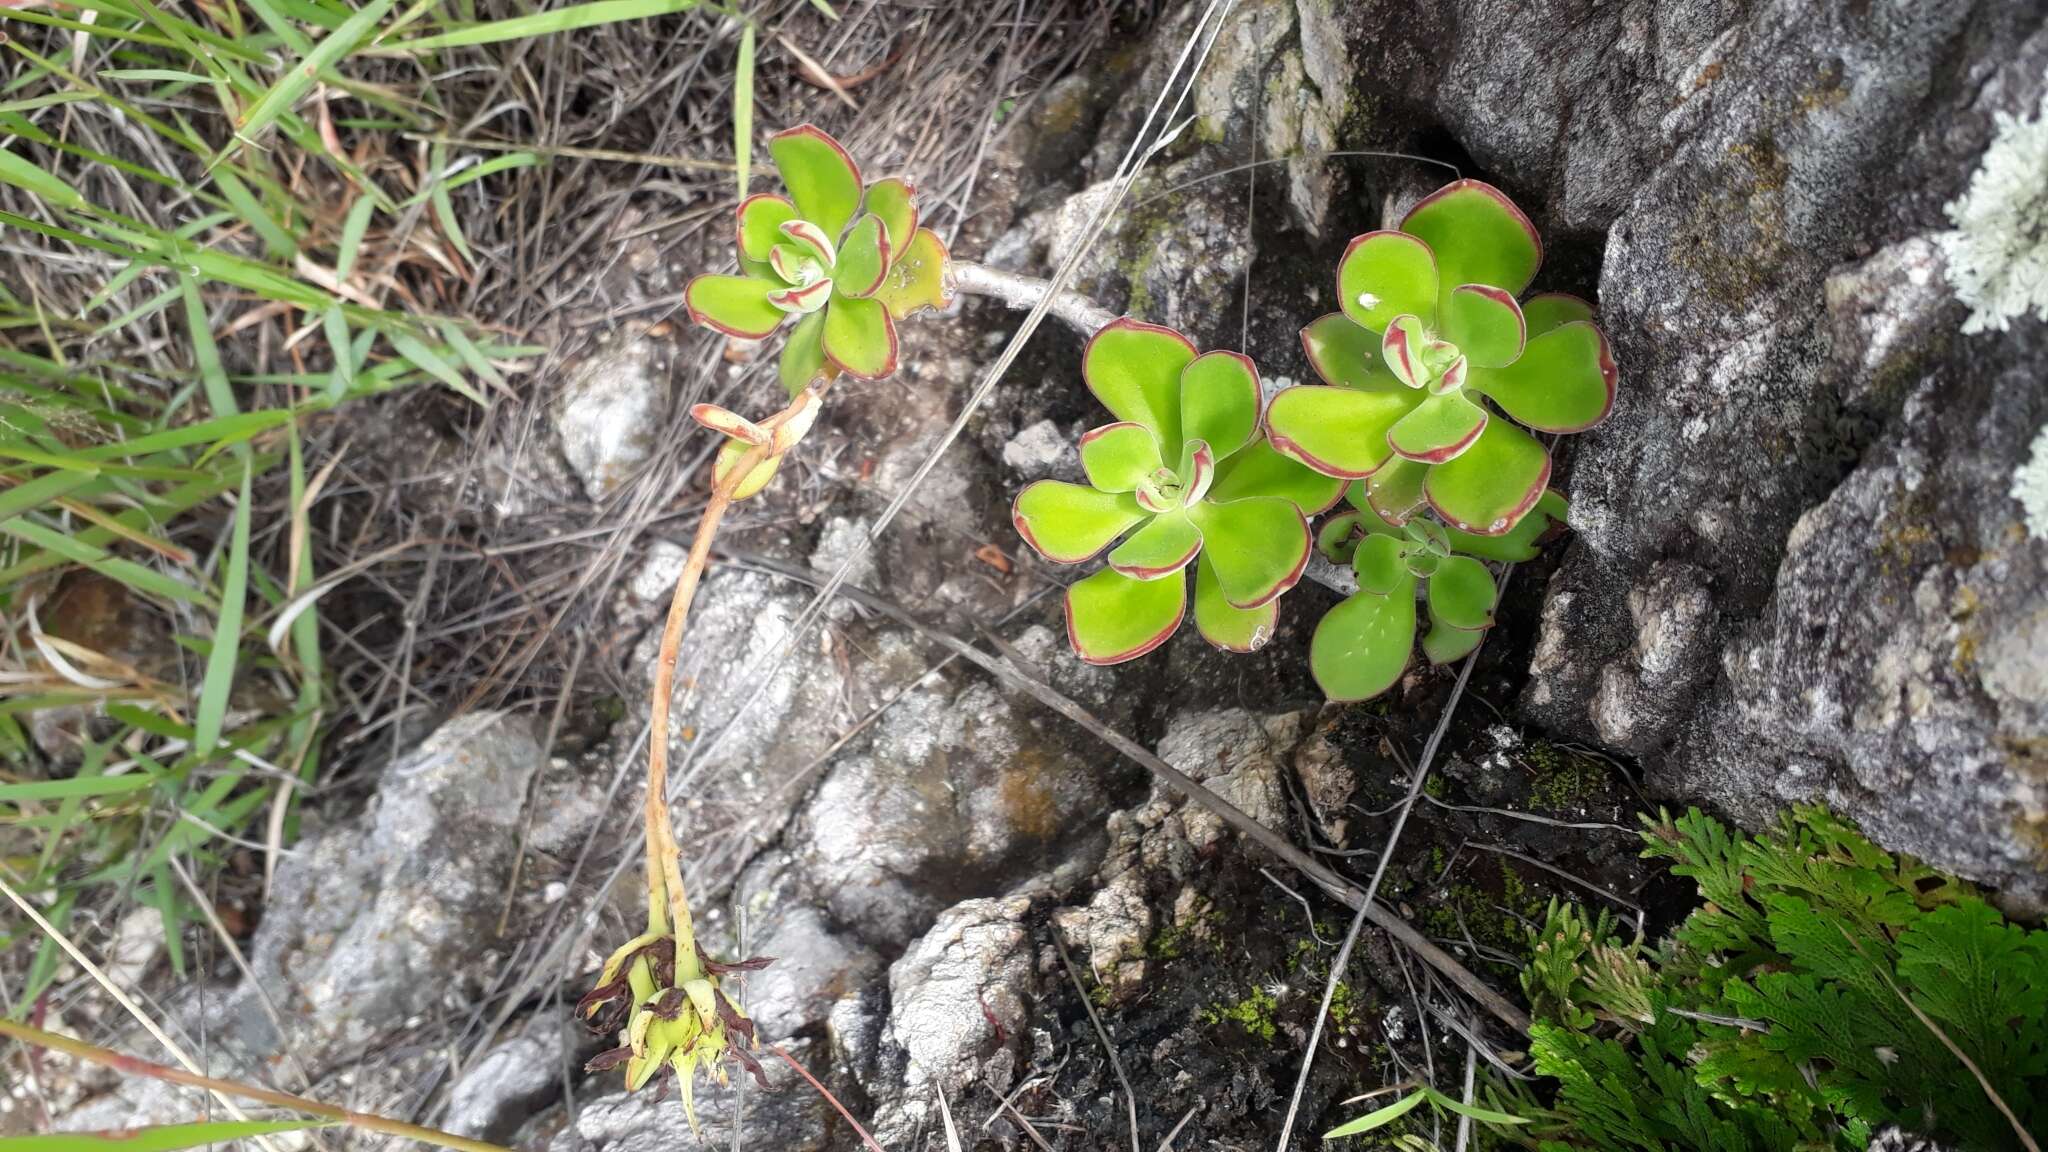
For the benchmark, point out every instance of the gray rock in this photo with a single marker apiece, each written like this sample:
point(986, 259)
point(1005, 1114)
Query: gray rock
point(1042, 450)
point(815, 965)
point(514, 1080)
point(609, 409)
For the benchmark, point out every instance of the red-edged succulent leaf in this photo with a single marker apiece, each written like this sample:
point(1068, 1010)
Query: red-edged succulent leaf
point(863, 258)
point(811, 238)
point(1068, 523)
point(1134, 369)
point(1443, 644)
point(1112, 618)
point(1339, 537)
point(805, 300)
point(1224, 625)
point(1547, 310)
point(895, 201)
point(734, 305)
point(1462, 594)
point(1260, 470)
point(859, 337)
point(1452, 378)
point(1402, 349)
point(759, 223)
point(917, 276)
point(1118, 457)
point(803, 355)
point(1441, 428)
point(1197, 471)
point(1478, 235)
point(821, 177)
point(1518, 543)
point(794, 264)
point(1346, 355)
point(1395, 491)
point(1381, 563)
point(1384, 275)
point(1564, 381)
point(1487, 489)
point(729, 423)
point(728, 458)
point(1337, 431)
point(1160, 547)
point(1363, 645)
point(1258, 546)
point(1485, 323)
point(1219, 401)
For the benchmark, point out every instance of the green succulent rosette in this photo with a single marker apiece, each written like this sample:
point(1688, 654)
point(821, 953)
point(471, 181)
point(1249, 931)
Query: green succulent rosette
point(1183, 478)
point(1435, 370)
point(1363, 645)
point(847, 260)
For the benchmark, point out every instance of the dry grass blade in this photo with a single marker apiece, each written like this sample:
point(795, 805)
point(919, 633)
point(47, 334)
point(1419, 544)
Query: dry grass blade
point(1116, 1064)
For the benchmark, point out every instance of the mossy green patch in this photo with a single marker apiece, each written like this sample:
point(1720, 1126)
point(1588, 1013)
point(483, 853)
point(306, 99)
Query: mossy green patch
point(1254, 1014)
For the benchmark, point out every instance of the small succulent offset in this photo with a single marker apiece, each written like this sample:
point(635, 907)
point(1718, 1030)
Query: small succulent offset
point(1428, 367)
point(1182, 477)
point(1429, 349)
point(847, 260)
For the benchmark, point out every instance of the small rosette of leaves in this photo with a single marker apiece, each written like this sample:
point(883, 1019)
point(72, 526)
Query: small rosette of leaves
point(847, 260)
point(1183, 479)
point(670, 1015)
point(1432, 347)
point(1362, 646)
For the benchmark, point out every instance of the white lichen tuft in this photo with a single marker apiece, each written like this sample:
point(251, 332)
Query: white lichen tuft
point(1998, 254)
point(2030, 487)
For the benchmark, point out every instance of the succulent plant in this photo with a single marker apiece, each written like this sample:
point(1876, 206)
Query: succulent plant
point(846, 260)
point(1429, 350)
point(670, 1013)
point(1362, 646)
point(1183, 477)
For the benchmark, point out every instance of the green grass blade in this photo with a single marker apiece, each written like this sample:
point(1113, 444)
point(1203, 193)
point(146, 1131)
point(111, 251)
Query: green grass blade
point(32, 178)
point(219, 396)
point(76, 787)
point(743, 109)
point(32, 494)
point(542, 23)
point(162, 1138)
point(299, 77)
point(335, 325)
point(472, 356)
point(223, 430)
point(352, 230)
point(75, 549)
point(227, 632)
point(444, 207)
point(277, 242)
point(1378, 1119)
point(433, 364)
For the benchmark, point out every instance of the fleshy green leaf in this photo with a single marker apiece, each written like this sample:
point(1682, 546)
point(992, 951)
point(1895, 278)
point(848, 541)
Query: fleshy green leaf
point(759, 224)
point(1547, 310)
point(1381, 563)
point(1260, 470)
point(1395, 491)
point(1117, 457)
point(1346, 355)
point(812, 241)
point(1384, 275)
point(1162, 547)
point(1378, 1118)
point(1197, 470)
point(1337, 431)
point(1564, 381)
point(895, 201)
point(734, 305)
point(1112, 618)
point(1441, 428)
point(1461, 594)
point(1478, 235)
point(821, 177)
point(1068, 523)
point(859, 337)
point(803, 357)
point(1134, 369)
point(1488, 488)
point(1219, 401)
point(805, 300)
point(1340, 535)
point(729, 454)
point(1362, 646)
point(1402, 349)
point(1224, 625)
point(1258, 546)
point(917, 277)
point(1518, 543)
point(863, 258)
point(1485, 323)
point(1443, 643)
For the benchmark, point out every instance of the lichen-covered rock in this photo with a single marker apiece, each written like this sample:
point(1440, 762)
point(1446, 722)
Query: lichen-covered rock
point(607, 413)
